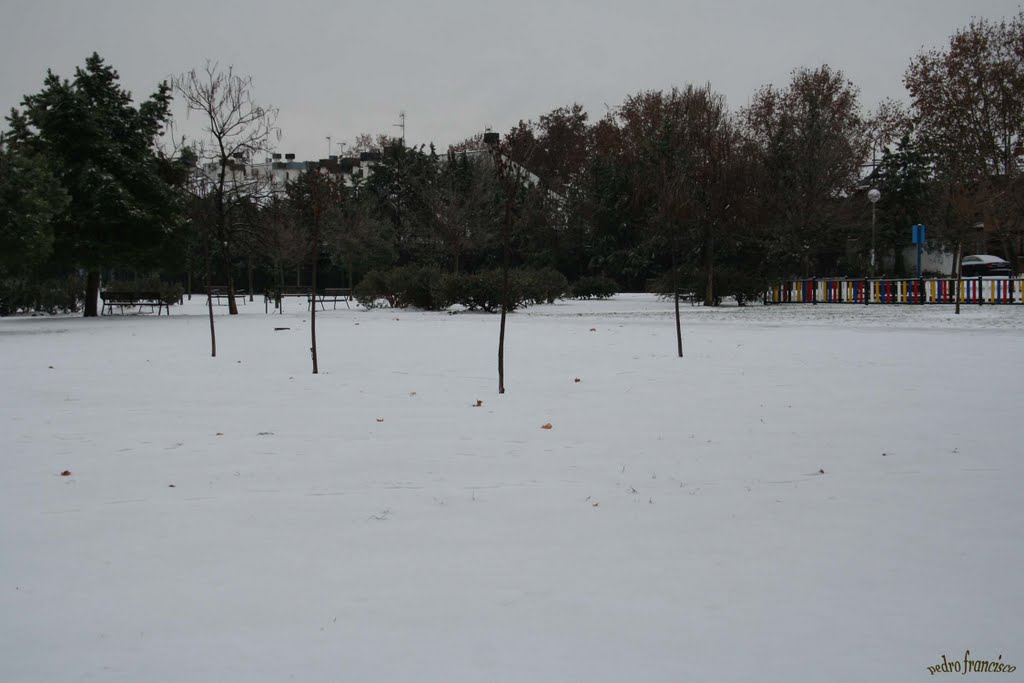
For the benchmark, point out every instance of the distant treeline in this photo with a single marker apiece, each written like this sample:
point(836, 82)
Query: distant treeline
point(669, 190)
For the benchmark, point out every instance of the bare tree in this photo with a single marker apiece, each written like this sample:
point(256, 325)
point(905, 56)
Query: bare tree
point(474, 143)
point(513, 177)
point(315, 199)
point(201, 210)
point(684, 146)
point(236, 130)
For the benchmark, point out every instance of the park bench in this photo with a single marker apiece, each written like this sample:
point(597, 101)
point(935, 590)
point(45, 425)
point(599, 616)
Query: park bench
point(328, 294)
point(334, 295)
point(132, 299)
point(276, 295)
point(220, 294)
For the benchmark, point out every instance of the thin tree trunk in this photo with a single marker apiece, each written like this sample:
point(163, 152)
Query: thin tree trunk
point(213, 331)
point(504, 291)
point(92, 293)
point(280, 289)
point(312, 307)
point(232, 304)
point(675, 290)
point(250, 278)
point(209, 293)
point(222, 220)
point(709, 266)
point(958, 274)
point(501, 335)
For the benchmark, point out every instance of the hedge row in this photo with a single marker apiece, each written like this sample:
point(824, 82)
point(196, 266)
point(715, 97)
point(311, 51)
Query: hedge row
point(741, 285)
point(56, 295)
point(430, 289)
point(594, 287)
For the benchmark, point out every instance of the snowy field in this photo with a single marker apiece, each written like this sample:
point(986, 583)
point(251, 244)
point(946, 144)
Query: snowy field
point(812, 493)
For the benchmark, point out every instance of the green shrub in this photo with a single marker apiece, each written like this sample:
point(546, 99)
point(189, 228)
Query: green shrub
point(544, 286)
point(448, 289)
point(477, 291)
point(663, 284)
point(52, 295)
point(482, 291)
point(739, 284)
point(413, 286)
point(431, 290)
point(372, 290)
point(742, 286)
point(402, 287)
point(594, 287)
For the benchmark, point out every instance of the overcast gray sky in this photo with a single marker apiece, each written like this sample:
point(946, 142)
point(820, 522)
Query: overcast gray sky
point(338, 67)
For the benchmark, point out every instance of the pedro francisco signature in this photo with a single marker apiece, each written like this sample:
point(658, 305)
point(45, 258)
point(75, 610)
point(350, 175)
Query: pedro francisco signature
point(968, 665)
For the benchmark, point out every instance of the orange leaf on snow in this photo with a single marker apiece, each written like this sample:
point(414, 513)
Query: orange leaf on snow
point(546, 425)
point(66, 473)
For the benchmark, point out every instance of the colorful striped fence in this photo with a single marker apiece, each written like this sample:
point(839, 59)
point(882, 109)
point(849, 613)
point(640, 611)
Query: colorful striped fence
point(980, 291)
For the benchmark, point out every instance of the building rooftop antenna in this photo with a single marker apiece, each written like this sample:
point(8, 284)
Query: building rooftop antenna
point(401, 118)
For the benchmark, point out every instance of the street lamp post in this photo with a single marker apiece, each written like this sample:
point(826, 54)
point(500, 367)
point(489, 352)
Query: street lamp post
point(873, 196)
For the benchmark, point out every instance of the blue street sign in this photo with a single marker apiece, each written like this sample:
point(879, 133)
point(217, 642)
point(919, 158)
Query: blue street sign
point(917, 235)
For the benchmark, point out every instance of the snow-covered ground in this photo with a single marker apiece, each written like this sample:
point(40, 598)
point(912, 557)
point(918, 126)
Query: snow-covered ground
point(813, 493)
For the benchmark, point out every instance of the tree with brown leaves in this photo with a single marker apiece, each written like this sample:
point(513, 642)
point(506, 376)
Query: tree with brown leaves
point(968, 106)
point(811, 139)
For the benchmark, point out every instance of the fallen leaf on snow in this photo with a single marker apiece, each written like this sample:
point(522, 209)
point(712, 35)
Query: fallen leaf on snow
point(380, 419)
point(478, 403)
point(66, 473)
point(546, 425)
point(577, 380)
